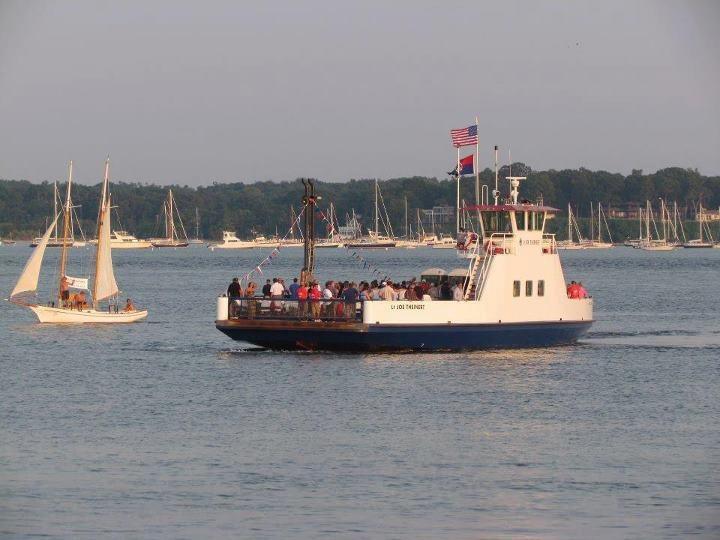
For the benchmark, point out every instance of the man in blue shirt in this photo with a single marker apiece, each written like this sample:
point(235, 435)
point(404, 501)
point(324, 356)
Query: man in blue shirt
point(350, 295)
point(294, 289)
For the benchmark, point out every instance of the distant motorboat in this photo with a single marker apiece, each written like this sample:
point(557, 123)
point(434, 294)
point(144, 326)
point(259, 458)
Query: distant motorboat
point(125, 240)
point(445, 242)
point(231, 241)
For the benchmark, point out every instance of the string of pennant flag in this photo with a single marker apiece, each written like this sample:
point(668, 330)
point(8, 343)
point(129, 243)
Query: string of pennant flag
point(275, 252)
point(367, 265)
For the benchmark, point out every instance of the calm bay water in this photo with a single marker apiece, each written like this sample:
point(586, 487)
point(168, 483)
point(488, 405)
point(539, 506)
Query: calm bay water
point(168, 429)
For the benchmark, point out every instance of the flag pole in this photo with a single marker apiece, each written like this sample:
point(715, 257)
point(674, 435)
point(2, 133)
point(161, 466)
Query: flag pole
point(477, 163)
point(457, 208)
point(477, 168)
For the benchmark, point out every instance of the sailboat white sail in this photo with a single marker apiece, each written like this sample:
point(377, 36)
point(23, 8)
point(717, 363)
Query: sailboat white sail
point(28, 281)
point(105, 285)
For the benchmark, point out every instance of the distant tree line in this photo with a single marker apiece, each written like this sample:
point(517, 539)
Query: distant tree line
point(264, 207)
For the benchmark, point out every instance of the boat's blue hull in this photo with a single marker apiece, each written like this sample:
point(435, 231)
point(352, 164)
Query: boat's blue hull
point(398, 338)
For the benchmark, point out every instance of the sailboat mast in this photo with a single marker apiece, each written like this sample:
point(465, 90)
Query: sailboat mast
point(406, 219)
point(700, 222)
point(197, 223)
point(592, 222)
point(66, 226)
point(377, 214)
point(569, 223)
point(101, 214)
point(55, 199)
point(169, 221)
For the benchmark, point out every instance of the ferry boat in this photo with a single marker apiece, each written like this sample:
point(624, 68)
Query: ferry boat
point(514, 295)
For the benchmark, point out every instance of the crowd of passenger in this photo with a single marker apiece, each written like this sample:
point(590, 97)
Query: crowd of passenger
point(350, 291)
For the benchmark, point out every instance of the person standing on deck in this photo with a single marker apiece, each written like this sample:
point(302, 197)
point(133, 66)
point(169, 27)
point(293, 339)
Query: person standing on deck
point(294, 289)
point(350, 295)
point(276, 294)
point(64, 291)
point(386, 292)
point(457, 292)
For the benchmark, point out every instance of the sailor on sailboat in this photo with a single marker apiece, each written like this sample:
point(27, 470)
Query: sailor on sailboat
point(105, 287)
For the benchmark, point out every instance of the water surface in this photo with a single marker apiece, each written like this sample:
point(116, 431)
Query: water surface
point(168, 429)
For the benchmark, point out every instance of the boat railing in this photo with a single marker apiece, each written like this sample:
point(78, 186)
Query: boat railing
point(263, 308)
point(499, 243)
point(549, 244)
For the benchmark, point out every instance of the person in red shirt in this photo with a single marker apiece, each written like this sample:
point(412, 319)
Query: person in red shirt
point(315, 294)
point(302, 294)
point(582, 292)
point(573, 291)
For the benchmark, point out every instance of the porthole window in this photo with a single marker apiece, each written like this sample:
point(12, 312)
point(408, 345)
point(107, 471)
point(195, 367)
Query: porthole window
point(528, 288)
point(516, 288)
point(541, 287)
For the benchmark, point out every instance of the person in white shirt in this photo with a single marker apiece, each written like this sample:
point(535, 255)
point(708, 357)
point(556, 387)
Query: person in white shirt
point(386, 292)
point(328, 294)
point(458, 292)
point(276, 294)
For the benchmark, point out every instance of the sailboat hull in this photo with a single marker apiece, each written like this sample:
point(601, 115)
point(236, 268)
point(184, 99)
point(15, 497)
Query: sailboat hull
point(169, 244)
point(47, 314)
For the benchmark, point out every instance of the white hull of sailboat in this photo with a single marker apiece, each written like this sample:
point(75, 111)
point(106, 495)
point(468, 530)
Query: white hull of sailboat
point(598, 245)
point(696, 244)
point(569, 246)
point(329, 245)
point(47, 314)
point(659, 247)
point(165, 243)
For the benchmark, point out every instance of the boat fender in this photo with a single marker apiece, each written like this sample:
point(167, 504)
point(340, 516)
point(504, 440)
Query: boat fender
point(222, 308)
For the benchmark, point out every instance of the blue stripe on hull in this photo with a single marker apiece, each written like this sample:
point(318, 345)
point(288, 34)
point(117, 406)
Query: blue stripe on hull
point(394, 338)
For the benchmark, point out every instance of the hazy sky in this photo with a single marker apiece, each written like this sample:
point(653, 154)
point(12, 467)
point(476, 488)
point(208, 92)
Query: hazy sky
point(195, 92)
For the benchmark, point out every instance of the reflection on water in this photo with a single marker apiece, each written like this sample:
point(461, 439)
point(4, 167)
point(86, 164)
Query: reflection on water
point(169, 429)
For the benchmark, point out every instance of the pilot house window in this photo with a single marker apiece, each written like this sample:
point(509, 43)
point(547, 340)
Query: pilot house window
point(528, 288)
point(541, 287)
point(516, 288)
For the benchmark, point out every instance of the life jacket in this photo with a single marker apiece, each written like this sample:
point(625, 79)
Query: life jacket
point(302, 293)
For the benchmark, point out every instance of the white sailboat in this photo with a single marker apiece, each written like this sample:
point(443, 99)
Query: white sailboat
point(705, 239)
point(333, 240)
point(197, 240)
point(374, 238)
point(598, 243)
point(572, 225)
point(104, 286)
point(172, 237)
point(661, 243)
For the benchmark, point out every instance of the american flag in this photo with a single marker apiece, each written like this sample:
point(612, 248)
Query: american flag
point(464, 137)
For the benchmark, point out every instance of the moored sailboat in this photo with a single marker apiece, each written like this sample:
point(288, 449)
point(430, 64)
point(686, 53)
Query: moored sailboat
point(172, 237)
point(569, 243)
point(63, 309)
